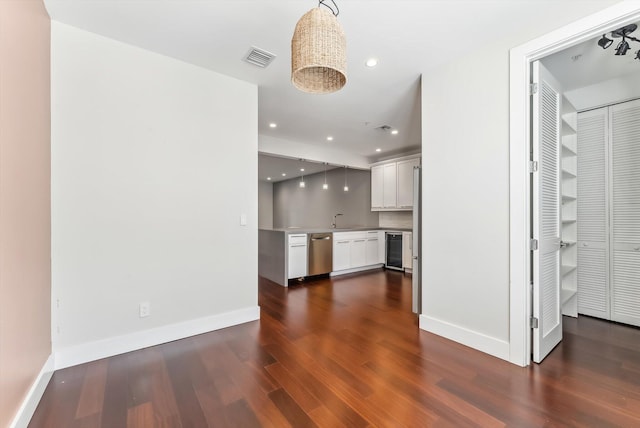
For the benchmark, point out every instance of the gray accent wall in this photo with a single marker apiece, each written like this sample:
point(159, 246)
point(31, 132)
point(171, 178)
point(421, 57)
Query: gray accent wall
point(312, 206)
point(265, 205)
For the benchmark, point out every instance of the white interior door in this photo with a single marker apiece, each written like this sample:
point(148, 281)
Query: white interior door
point(593, 215)
point(625, 212)
point(546, 206)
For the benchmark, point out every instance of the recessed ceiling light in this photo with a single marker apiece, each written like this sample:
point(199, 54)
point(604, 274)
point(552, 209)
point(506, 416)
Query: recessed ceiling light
point(394, 132)
point(378, 150)
point(371, 62)
point(284, 174)
point(268, 178)
point(329, 138)
point(273, 125)
point(301, 169)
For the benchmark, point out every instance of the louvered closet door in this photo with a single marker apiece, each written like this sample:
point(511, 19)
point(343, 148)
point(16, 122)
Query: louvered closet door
point(593, 248)
point(625, 212)
point(546, 213)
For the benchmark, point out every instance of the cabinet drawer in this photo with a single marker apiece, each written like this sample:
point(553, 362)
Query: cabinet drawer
point(298, 239)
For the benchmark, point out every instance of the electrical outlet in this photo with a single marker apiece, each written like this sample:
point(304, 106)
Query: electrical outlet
point(145, 309)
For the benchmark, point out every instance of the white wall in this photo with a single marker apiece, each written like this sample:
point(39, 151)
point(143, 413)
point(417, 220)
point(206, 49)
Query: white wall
point(265, 205)
point(153, 161)
point(465, 156)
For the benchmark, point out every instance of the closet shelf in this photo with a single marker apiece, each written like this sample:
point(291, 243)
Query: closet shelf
point(567, 293)
point(568, 220)
point(568, 198)
point(569, 243)
point(571, 120)
point(568, 174)
point(566, 269)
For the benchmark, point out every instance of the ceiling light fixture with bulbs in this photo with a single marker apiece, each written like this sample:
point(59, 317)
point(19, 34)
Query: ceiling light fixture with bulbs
point(622, 47)
point(319, 51)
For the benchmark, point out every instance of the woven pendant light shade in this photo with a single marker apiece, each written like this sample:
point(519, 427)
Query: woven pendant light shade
point(318, 53)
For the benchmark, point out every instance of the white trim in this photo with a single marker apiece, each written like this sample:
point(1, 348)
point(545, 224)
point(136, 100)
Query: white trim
point(521, 57)
point(104, 348)
point(31, 400)
point(487, 344)
point(354, 270)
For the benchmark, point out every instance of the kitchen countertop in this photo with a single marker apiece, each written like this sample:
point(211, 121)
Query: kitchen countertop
point(293, 230)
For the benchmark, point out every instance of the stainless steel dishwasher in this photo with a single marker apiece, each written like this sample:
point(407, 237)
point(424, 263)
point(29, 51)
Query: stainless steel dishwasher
point(320, 253)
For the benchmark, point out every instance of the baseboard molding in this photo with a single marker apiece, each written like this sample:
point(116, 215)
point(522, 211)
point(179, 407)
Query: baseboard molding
point(99, 349)
point(358, 269)
point(487, 344)
point(30, 402)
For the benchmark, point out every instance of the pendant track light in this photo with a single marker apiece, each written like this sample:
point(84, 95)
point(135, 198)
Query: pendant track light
point(623, 47)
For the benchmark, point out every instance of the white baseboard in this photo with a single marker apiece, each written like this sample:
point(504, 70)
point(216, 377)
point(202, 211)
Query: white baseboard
point(354, 270)
point(487, 344)
point(30, 402)
point(99, 349)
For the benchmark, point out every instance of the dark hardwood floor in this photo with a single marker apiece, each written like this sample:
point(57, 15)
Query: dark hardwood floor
point(347, 352)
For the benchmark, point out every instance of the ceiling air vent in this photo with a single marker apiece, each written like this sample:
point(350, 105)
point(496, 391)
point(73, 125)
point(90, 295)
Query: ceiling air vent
point(259, 57)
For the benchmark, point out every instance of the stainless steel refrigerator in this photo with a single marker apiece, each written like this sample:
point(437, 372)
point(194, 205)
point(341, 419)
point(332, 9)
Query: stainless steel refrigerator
point(416, 275)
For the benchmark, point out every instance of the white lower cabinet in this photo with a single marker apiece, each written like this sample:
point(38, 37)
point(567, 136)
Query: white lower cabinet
point(297, 256)
point(341, 253)
point(356, 249)
point(407, 250)
point(359, 252)
point(373, 248)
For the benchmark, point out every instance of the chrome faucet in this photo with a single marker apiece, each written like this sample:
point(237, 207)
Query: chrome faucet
point(333, 225)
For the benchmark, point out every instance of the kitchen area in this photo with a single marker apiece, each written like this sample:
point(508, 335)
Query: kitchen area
point(335, 220)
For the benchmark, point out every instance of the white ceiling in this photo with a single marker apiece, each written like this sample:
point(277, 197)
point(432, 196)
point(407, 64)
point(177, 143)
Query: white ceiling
point(587, 63)
point(273, 167)
point(408, 37)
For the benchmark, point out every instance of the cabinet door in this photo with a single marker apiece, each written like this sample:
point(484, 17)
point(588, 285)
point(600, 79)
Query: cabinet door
point(358, 253)
point(593, 212)
point(389, 187)
point(377, 173)
point(341, 256)
point(407, 250)
point(297, 260)
point(372, 250)
point(405, 182)
point(625, 214)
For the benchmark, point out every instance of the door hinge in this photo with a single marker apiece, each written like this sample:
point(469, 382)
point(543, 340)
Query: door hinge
point(533, 244)
point(533, 88)
point(533, 322)
point(533, 167)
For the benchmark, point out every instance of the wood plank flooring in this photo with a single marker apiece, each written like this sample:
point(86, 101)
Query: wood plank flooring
point(347, 352)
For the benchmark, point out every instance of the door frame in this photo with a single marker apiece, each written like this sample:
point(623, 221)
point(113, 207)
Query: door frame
point(520, 60)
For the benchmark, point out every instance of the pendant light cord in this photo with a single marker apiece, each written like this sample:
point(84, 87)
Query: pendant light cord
point(335, 10)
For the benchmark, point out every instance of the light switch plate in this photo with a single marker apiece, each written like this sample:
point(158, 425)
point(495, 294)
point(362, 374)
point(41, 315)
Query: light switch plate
point(243, 219)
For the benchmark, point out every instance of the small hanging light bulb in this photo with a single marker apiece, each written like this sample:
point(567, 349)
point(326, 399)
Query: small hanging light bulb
point(325, 186)
point(346, 186)
point(302, 183)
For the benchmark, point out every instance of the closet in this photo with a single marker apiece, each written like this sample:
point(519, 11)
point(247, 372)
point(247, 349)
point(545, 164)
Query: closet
point(608, 212)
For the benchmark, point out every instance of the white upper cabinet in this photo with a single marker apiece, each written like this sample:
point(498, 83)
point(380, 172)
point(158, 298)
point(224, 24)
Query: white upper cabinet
point(389, 185)
point(392, 185)
point(405, 182)
point(377, 178)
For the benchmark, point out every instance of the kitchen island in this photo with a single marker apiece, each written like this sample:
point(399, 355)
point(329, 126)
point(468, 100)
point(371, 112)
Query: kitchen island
point(283, 253)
